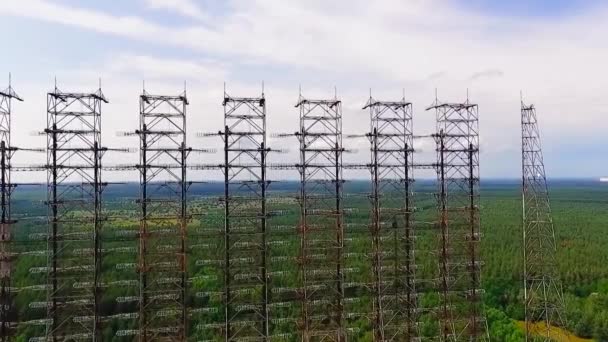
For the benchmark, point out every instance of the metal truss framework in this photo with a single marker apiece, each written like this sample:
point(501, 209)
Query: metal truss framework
point(7, 312)
point(321, 226)
point(74, 155)
point(542, 287)
point(246, 255)
point(395, 314)
point(161, 308)
point(460, 314)
point(161, 261)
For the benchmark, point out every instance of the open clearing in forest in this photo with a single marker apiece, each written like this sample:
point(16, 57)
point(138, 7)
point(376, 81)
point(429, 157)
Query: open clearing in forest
point(558, 334)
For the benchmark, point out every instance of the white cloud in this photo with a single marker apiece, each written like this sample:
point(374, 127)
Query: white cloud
point(387, 45)
point(128, 26)
point(490, 73)
point(166, 68)
point(187, 8)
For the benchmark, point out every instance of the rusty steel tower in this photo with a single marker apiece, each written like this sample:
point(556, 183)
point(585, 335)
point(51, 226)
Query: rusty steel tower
point(394, 315)
point(161, 254)
point(460, 312)
point(246, 256)
point(7, 310)
point(543, 295)
point(74, 252)
point(321, 227)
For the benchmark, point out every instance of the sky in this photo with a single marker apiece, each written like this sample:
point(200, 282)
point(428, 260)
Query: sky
point(552, 51)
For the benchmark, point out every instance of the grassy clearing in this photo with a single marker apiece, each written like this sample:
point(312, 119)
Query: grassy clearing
point(556, 333)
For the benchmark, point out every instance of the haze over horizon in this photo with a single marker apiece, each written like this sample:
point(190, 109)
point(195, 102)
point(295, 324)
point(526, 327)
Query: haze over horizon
point(547, 49)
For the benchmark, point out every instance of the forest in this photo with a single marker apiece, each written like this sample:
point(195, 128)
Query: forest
point(580, 216)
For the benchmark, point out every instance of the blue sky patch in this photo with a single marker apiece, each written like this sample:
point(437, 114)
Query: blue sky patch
point(530, 8)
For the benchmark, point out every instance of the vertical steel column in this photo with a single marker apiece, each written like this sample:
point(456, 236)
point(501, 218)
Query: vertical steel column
point(321, 226)
point(543, 296)
point(461, 313)
point(246, 276)
point(7, 311)
point(163, 222)
point(75, 218)
point(392, 233)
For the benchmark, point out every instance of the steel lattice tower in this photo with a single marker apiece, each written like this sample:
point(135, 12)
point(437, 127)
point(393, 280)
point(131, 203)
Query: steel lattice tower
point(162, 231)
point(7, 314)
point(246, 259)
point(321, 229)
point(461, 315)
point(75, 219)
point(542, 288)
point(392, 233)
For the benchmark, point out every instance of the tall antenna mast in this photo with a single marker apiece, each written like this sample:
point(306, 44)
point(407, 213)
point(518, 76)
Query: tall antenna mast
point(395, 313)
point(245, 220)
point(6, 222)
point(163, 208)
point(75, 217)
point(543, 296)
point(460, 311)
point(321, 220)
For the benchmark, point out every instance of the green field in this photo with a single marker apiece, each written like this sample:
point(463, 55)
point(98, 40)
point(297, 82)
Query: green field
point(580, 218)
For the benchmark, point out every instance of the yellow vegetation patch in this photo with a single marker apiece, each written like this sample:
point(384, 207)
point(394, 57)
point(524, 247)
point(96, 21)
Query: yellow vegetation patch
point(556, 333)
